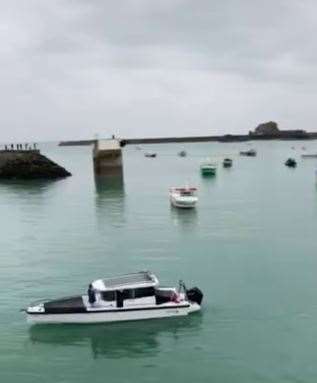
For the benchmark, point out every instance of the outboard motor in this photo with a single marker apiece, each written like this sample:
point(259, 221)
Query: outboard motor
point(195, 295)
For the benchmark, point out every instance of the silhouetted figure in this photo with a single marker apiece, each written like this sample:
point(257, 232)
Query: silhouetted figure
point(120, 298)
point(34, 146)
point(91, 295)
point(6, 147)
point(12, 147)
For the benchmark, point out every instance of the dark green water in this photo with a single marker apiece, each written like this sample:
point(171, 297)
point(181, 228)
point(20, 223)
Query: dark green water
point(251, 246)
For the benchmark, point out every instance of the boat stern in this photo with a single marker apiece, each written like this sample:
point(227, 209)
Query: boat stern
point(195, 296)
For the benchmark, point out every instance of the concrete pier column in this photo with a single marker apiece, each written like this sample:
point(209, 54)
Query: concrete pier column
point(107, 156)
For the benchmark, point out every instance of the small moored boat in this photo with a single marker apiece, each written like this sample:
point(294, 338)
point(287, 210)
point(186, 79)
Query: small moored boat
point(248, 153)
point(185, 197)
point(182, 153)
point(127, 297)
point(227, 163)
point(150, 155)
point(208, 168)
point(291, 163)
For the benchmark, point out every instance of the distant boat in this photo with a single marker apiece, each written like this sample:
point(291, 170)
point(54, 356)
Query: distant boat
point(227, 163)
point(291, 163)
point(138, 148)
point(248, 153)
point(183, 197)
point(208, 168)
point(309, 155)
point(182, 153)
point(150, 155)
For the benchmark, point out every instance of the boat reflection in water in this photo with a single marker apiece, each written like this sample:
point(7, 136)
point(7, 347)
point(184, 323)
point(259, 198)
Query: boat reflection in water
point(186, 219)
point(110, 198)
point(119, 340)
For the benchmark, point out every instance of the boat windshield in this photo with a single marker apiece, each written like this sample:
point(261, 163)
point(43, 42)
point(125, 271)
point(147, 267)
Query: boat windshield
point(186, 192)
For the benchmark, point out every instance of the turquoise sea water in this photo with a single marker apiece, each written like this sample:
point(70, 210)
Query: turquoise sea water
point(251, 246)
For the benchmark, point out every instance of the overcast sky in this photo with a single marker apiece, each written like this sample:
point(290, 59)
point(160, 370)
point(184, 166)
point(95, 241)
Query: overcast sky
point(73, 68)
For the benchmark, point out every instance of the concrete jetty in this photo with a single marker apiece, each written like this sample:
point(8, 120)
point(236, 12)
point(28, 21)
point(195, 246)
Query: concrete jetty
point(107, 156)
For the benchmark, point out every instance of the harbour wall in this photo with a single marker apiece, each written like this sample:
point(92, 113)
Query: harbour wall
point(224, 138)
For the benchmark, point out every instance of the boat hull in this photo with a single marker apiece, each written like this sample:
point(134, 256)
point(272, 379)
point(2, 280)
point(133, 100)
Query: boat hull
point(118, 315)
point(208, 171)
point(183, 203)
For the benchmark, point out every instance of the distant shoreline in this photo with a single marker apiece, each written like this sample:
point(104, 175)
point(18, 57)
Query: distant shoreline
point(224, 138)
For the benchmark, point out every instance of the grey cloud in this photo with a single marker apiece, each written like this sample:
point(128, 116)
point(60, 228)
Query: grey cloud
point(71, 68)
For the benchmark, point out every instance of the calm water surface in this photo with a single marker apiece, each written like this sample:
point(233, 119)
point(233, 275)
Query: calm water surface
point(250, 246)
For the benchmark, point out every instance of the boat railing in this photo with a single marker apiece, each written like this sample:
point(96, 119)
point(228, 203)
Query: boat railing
point(181, 286)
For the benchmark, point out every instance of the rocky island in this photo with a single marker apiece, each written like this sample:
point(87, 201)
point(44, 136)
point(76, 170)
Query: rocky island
point(29, 164)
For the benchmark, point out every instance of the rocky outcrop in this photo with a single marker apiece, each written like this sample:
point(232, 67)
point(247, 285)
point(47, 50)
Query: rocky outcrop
point(267, 128)
point(29, 164)
point(270, 131)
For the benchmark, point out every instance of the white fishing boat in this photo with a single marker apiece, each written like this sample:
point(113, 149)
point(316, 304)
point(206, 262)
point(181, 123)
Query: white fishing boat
point(183, 197)
point(127, 297)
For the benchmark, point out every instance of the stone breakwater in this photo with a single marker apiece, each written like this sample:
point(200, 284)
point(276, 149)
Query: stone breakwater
point(29, 164)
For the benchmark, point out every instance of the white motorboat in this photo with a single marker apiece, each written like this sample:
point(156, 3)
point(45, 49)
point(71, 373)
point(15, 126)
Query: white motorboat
point(184, 197)
point(124, 298)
